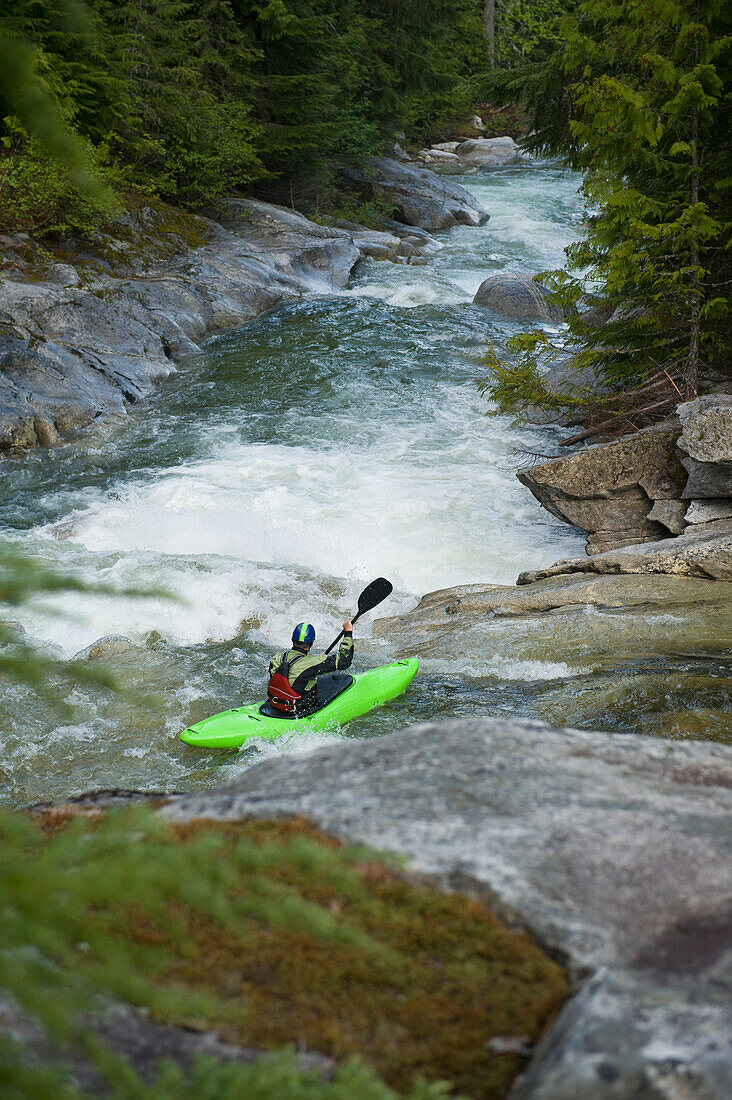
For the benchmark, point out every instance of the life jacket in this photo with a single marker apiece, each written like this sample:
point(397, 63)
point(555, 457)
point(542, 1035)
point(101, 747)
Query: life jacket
point(280, 692)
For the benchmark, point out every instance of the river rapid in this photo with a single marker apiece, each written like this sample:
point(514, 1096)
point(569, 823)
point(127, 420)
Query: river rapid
point(329, 441)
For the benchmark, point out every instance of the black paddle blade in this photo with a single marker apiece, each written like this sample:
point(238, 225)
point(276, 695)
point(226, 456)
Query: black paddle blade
point(373, 594)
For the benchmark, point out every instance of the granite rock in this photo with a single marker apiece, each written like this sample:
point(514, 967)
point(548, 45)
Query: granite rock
point(608, 489)
point(706, 480)
point(517, 296)
point(494, 152)
point(706, 428)
point(74, 349)
point(420, 196)
point(707, 511)
point(143, 1043)
point(613, 850)
point(703, 550)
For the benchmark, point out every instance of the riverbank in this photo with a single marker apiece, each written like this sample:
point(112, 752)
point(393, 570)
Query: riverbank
point(610, 851)
point(87, 328)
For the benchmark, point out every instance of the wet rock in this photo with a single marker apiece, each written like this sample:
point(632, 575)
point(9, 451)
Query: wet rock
point(13, 632)
point(91, 802)
point(113, 645)
point(423, 241)
point(516, 296)
point(608, 489)
point(47, 434)
point(703, 550)
point(376, 245)
point(490, 152)
point(612, 849)
point(70, 353)
point(564, 587)
point(421, 197)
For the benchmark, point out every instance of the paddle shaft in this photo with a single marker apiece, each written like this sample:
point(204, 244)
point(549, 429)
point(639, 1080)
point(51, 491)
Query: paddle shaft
point(335, 641)
point(372, 595)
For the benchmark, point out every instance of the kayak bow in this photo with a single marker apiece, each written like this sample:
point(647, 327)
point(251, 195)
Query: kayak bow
point(232, 728)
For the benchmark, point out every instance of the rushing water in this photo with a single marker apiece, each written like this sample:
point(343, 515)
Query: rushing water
point(330, 441)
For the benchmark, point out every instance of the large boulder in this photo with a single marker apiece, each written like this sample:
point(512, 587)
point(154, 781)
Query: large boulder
point(609, 489)
point(420, 197)
point(612, 849)
point(517, 296)
point(493, 152)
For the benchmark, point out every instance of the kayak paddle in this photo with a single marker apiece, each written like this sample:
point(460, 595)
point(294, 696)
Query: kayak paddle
point(371, 596)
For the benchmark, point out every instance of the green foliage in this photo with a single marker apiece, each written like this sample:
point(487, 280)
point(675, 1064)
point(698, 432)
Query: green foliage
point(23, 581)
point(527, 30)
point(242, 928)
point(188, 101)
point(519, 381)
point(39, 194)
point(634, 99)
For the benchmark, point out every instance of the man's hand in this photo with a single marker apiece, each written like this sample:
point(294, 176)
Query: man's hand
point(348, 626)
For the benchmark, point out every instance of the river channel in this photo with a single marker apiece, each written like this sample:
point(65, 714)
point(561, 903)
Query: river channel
point(329, 441)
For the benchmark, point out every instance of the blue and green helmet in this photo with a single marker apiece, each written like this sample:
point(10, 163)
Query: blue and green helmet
point(304, 634)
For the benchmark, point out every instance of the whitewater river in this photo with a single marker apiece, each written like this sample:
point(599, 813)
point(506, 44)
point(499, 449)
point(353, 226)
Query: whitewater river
point(328, 442)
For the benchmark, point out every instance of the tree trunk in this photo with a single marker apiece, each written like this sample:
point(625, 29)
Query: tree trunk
point(692, 363)
point(489, 21)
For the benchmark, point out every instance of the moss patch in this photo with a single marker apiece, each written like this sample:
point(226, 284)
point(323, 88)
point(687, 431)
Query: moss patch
point(271, 933)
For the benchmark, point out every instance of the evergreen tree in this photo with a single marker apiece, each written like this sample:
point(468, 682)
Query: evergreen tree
point(637, 100)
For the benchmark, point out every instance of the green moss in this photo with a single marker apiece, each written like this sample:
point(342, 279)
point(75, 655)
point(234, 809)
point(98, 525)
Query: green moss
point(273, 934)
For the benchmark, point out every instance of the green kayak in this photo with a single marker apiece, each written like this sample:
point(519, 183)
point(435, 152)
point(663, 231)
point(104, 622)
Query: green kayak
point(343, 697)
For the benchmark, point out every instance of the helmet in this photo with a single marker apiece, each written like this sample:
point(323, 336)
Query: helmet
point(304, 634)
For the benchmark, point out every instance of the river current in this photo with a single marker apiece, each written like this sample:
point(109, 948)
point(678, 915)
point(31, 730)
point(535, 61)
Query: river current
point(329, 441)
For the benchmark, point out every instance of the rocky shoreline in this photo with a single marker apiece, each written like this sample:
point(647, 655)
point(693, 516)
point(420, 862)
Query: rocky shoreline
point(611, 850)
point(86, 331)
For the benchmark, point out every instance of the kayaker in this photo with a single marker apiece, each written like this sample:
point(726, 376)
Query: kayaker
point(299, 670)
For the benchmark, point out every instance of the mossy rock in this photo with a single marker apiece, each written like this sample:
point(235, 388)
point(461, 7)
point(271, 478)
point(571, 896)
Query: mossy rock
point(271, 933)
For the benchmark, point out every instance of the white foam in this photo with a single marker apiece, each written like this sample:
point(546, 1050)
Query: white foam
point(504, 668)
point(413, 483)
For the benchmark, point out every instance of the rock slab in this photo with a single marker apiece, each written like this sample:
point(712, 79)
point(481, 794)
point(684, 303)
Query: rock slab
point(703, 550)
point(420, 197)
point(80, 346)
point(613, 850)
point(609, 489)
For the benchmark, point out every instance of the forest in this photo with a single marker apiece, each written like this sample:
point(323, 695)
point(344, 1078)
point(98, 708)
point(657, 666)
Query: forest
point(188, 102)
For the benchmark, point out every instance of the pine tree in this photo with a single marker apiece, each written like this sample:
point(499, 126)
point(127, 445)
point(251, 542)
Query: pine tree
point(637, 100)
